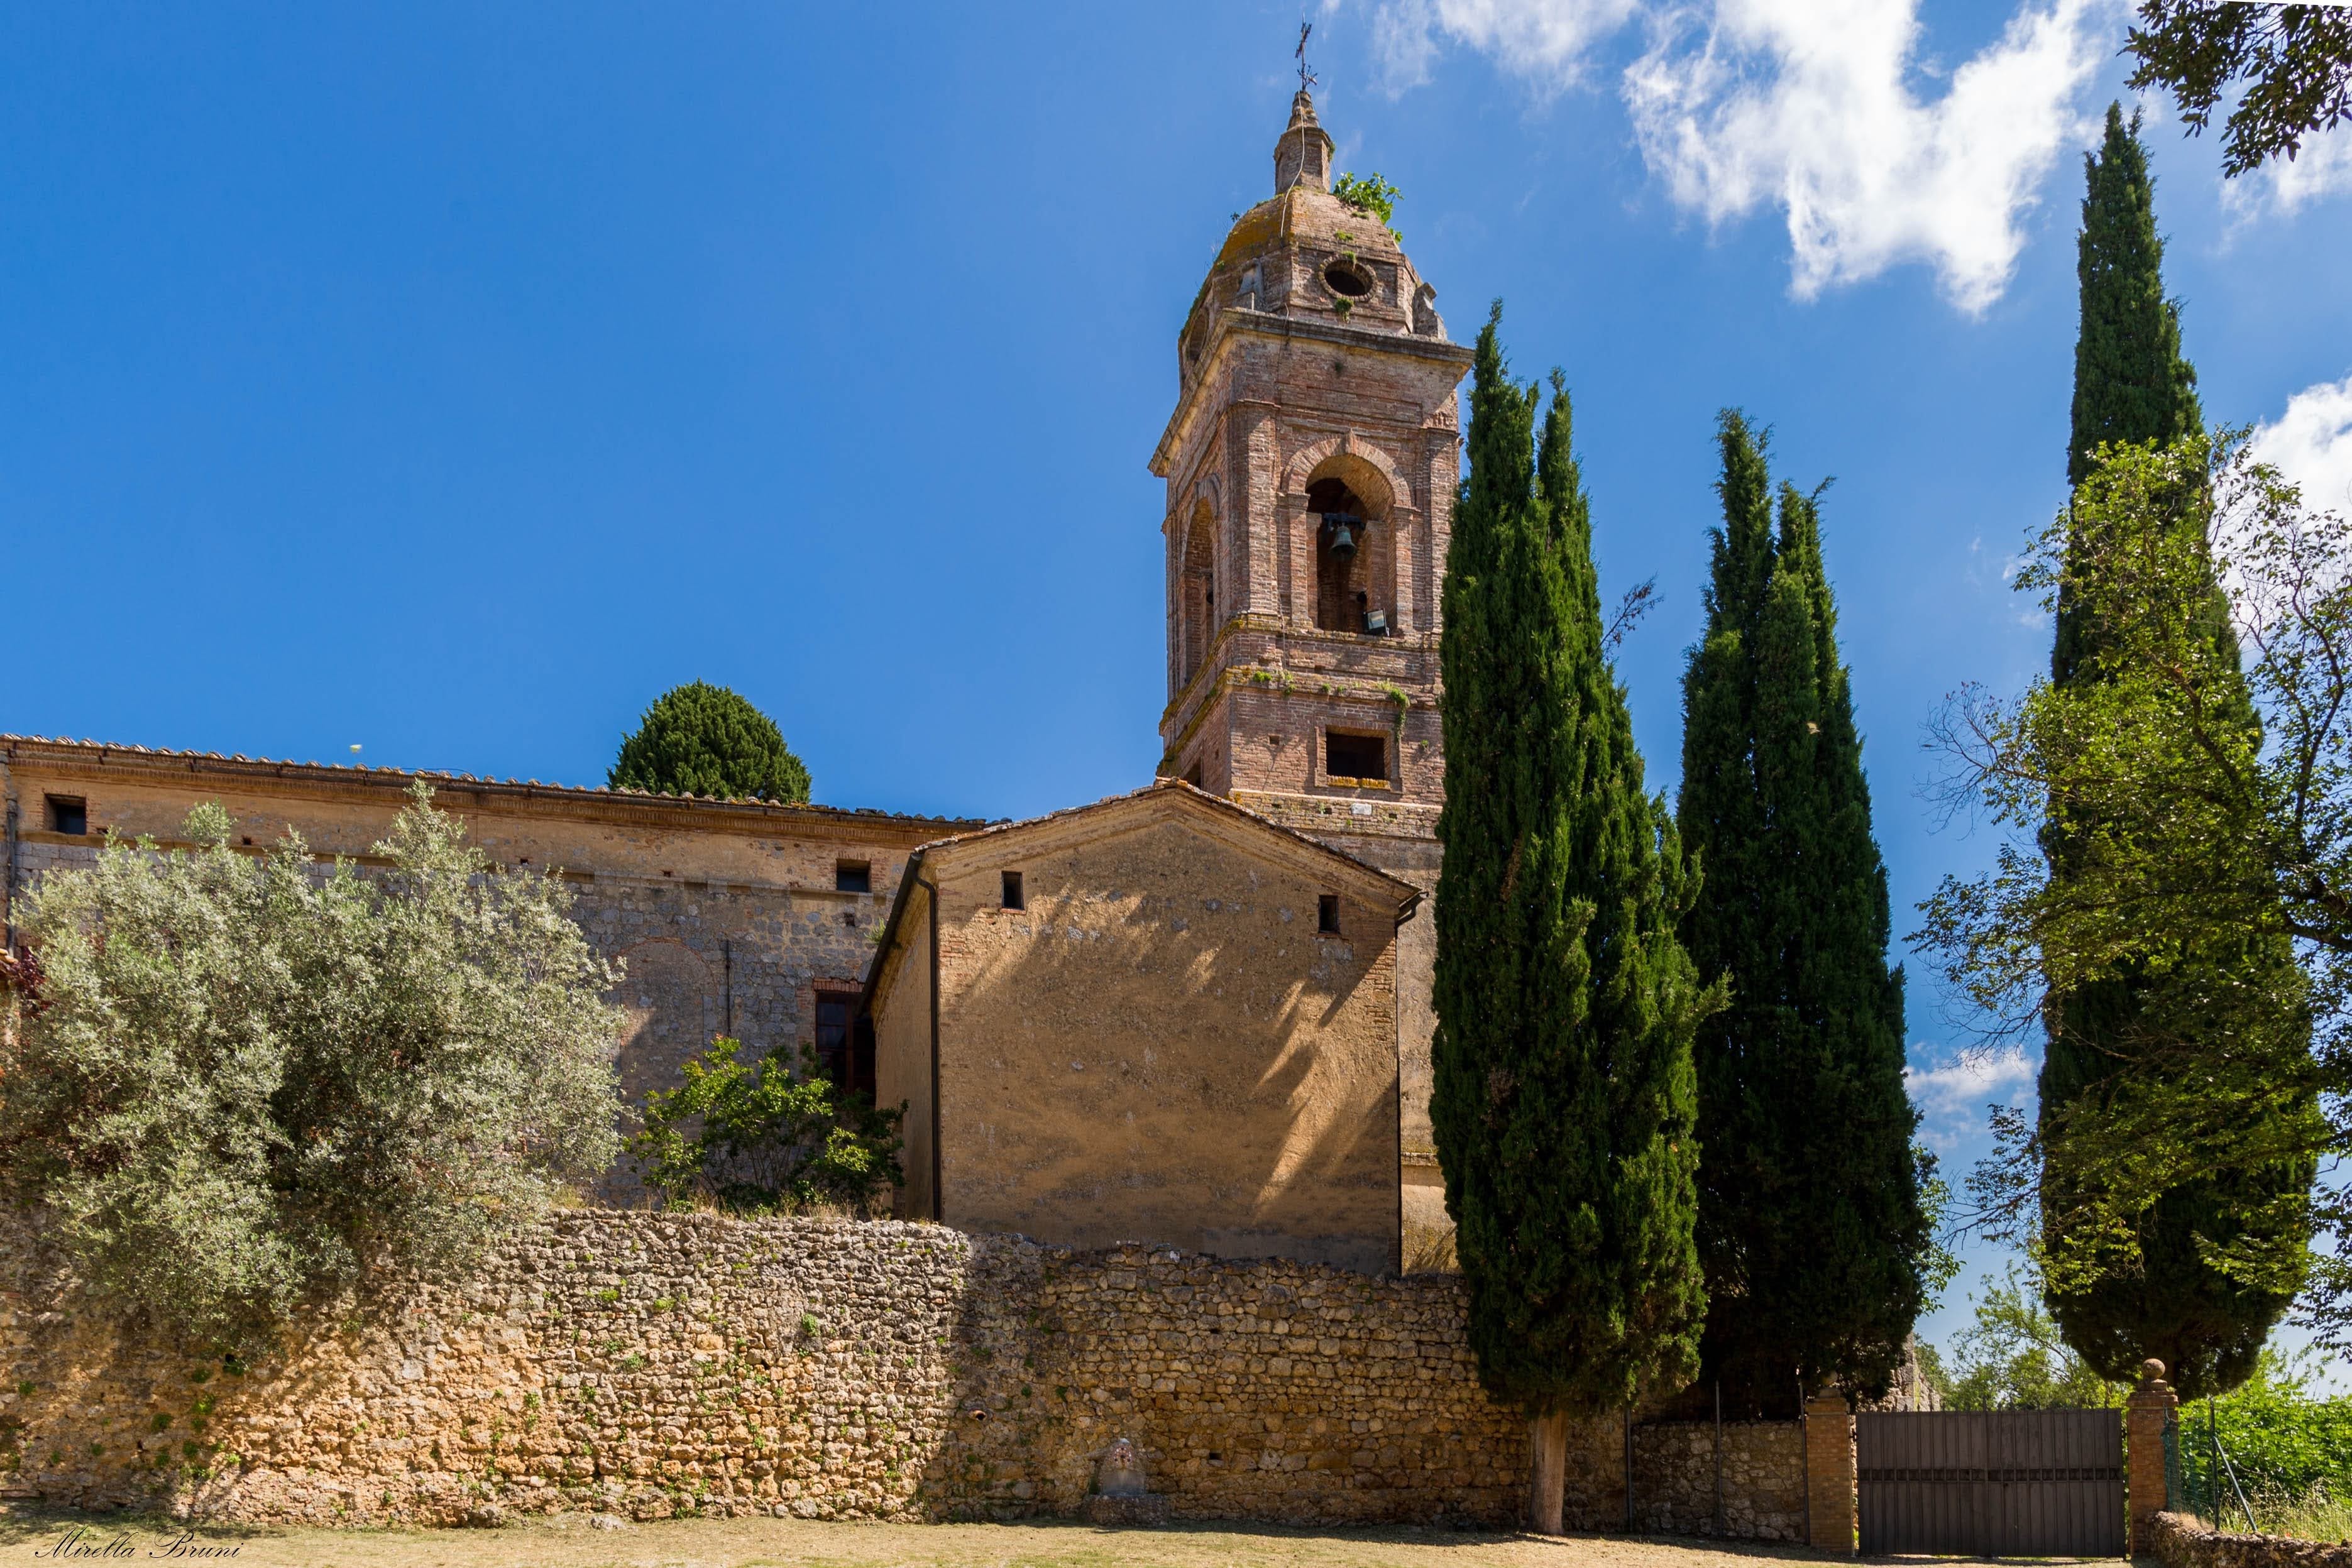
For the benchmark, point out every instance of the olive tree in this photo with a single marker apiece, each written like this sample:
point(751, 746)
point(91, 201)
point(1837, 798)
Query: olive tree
point(234, 1085)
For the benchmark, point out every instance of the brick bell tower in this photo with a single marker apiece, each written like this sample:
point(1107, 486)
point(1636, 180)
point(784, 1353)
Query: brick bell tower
point(1310, 464)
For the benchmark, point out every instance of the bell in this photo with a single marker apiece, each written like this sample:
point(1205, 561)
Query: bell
point(1343, 543)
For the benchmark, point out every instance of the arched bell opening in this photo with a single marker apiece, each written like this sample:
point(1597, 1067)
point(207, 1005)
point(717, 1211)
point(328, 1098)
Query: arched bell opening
point(1348, 550)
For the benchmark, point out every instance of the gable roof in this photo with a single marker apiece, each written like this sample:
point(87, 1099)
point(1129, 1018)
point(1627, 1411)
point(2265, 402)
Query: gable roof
point(1160, 799)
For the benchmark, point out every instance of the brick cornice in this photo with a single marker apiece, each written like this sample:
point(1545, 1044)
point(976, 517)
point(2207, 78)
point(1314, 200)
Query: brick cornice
point(1235, 323)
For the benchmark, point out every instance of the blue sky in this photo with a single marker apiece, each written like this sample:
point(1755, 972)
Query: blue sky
point(453, 379)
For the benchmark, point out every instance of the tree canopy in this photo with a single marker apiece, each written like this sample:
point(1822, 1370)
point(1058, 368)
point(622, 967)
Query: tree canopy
point(1563, 1096)
point(2196, 842)
point(1809, 1217)
point(2288, 67)
point(701, 740)
point(241, 1084)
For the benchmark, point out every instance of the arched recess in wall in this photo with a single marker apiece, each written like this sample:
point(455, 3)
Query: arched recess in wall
point(1199, 584)
point(666, 993)
point(1352, 495)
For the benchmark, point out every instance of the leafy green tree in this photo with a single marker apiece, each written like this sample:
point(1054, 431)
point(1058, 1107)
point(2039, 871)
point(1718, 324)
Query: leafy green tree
point(1811, 1221)
point(2288, 68)
point(2170, 1195)
point(758, 1138)
point(2132, 386)
point(701, 740)
point(240, 1085)
point(2012, 1357)
point(1563, 1099)
point(2283, 1440)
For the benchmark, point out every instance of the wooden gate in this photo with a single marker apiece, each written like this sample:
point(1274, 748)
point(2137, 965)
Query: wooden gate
point(2003, 1483)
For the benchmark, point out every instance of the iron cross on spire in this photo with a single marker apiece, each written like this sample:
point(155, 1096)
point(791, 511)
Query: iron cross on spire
point(1305, 76)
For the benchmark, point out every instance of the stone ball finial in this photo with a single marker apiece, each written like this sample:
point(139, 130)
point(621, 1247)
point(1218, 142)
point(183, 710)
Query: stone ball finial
point(1122, 1471)
point(2151, 1370)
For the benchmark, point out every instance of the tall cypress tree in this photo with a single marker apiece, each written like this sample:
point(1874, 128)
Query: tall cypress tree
point(2132, 384)
point(1564, 1100)
point(1810, 1222)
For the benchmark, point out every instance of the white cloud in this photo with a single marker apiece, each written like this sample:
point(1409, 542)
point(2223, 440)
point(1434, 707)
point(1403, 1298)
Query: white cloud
point(2321, 169)
point(2310, 443)
point(1962, 1087)
point(1544, 41)
point(1806, 105)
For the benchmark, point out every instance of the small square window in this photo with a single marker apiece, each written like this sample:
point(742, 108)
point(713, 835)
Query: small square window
point(67, 815)
point(1355, 756)
point(1014, 898)
point(1327, 914)
point(852, 876)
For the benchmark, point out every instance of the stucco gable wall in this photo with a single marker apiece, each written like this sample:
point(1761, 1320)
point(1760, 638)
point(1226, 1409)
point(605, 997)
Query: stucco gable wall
point(1160, 1047)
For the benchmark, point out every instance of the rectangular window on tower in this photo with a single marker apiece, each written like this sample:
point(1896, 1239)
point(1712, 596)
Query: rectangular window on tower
point(1347, 757)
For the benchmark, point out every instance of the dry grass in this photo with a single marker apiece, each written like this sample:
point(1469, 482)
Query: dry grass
point(2314, 1516)
point(571, 1542)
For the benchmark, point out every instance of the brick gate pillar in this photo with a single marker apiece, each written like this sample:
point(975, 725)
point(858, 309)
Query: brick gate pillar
point(2147, 1426)
point(1829, 1474)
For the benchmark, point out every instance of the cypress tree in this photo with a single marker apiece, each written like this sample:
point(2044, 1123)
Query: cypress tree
point(701, 740)
point(1563, 1099)
point(1810, 1222)
point(2132, 384)
point(2131, 381)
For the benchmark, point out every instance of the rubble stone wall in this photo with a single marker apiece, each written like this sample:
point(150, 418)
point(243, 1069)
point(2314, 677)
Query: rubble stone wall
point(656, 1365)
point(1763, 1479)
point(651, 1365)
point(2182, 1541)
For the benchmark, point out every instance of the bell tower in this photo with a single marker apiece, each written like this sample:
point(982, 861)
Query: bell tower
point(1310, 465)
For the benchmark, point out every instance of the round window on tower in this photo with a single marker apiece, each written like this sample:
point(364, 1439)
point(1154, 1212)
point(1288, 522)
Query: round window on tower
point(1347, 280)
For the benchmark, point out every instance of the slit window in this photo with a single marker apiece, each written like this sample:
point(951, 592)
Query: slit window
point(1014, 897)
point(1355, 756)
point(852, 876)
point(1327, 914)
point(69, 815)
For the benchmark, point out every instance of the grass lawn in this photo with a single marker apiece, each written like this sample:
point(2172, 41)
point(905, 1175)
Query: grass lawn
point(569, 1541)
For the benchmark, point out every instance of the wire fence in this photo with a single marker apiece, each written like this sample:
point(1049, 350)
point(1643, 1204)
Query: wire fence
point(2273, 1468)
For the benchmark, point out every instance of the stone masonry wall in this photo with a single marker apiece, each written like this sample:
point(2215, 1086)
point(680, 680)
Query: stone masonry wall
point(655, 1364)
point(1763, 1480)
point(2182, 1542)
point(701, 958)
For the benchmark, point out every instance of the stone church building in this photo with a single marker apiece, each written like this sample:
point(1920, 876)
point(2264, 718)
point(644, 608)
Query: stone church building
point(1198, 1014)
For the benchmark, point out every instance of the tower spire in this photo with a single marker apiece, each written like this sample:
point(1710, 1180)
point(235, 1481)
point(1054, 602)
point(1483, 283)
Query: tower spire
point(1303, 156)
